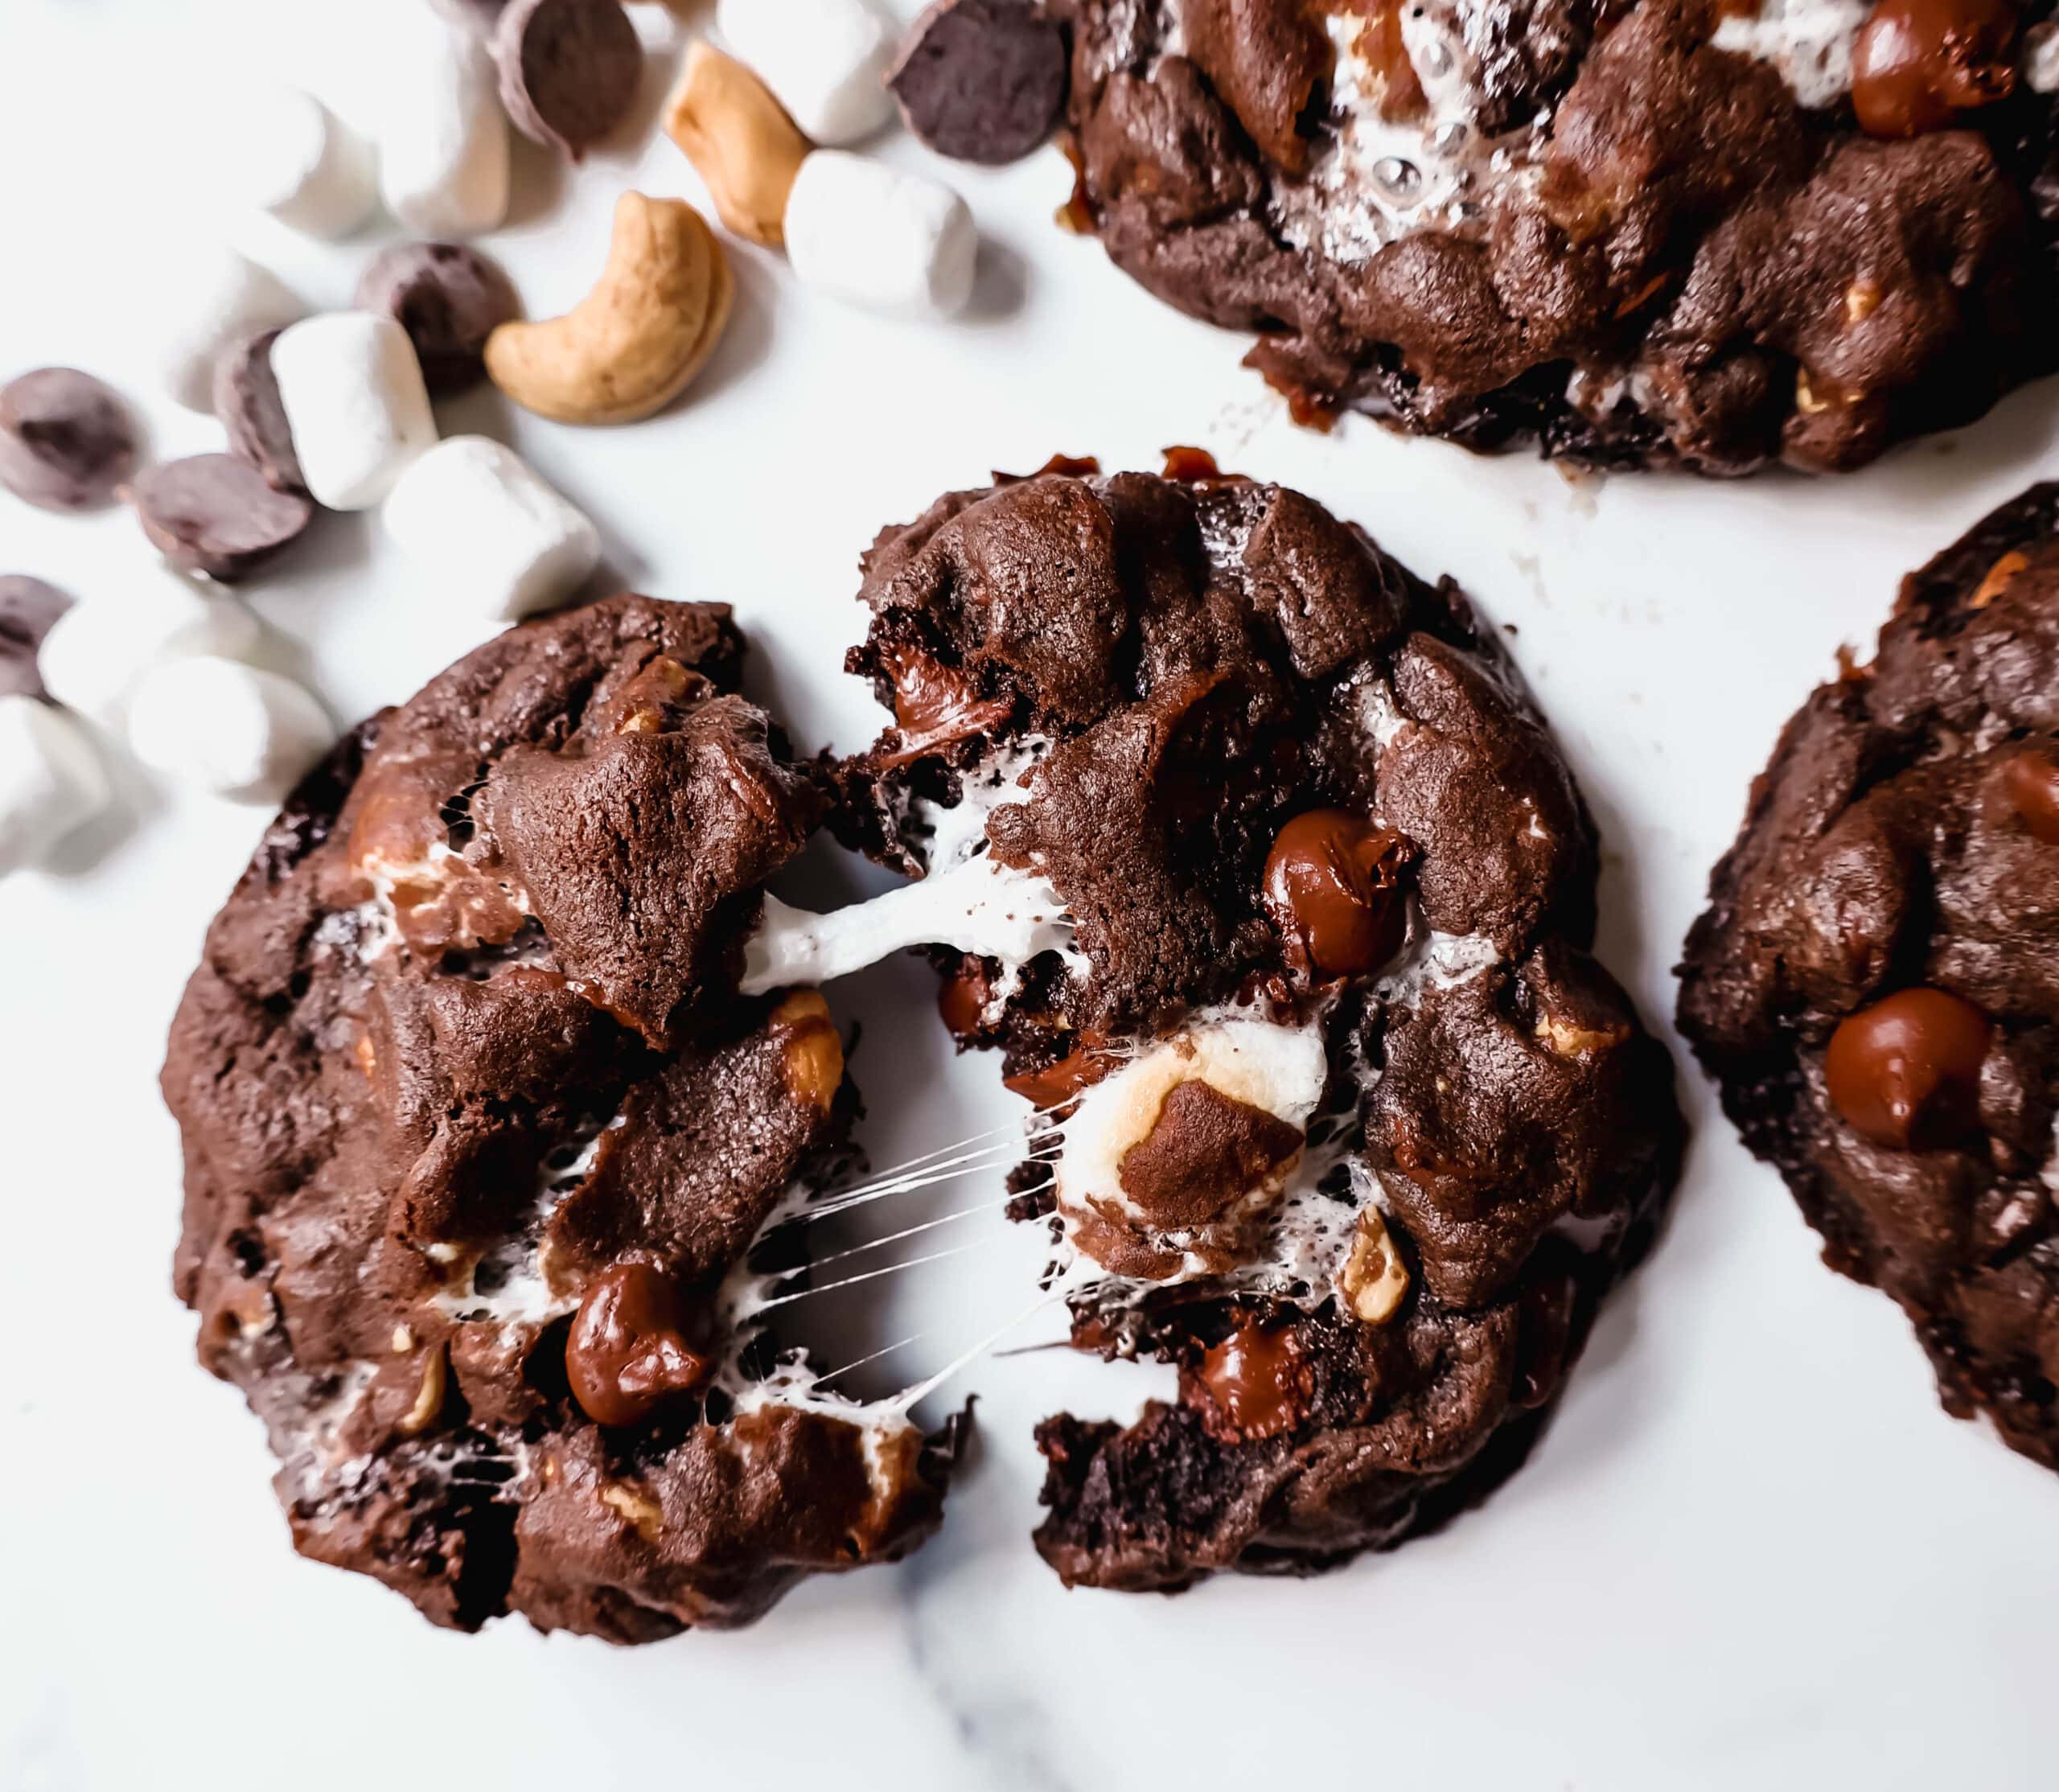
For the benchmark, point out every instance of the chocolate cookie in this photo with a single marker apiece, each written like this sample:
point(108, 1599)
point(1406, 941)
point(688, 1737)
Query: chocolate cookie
point(479, 1135)
point(1244, 848)
point(1635, 232)
point(1875, 982)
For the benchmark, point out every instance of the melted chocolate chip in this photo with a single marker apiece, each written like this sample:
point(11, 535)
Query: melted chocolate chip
point(962, 999)
point(628, 1351)
point(1905, 1072)
point(2031, 782)
point(1204, 1152)
point(1918, 64)
point(1256, 1381)
point(1194, 467)
point(1332, 887)
point(1058, 1083)
point(935, 706)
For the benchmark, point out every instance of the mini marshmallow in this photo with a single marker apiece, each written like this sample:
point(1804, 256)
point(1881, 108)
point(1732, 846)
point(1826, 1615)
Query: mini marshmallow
point(97, 652)
point(352, 390)
point(51, 781)
point(231, 728)
point(203, 304)
point(443, 155)
point(477, 518)
point(825, 60)
point(873, 236)
point(296, 159)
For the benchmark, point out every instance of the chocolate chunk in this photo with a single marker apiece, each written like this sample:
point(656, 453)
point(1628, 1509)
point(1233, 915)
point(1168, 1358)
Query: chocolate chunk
point(449, 298)
point(1332, 887)
point(1255, 1383)
point(982, 81)
point(569, 70)
point(214, 514)
point(27, 608)
point(627, 1352)
point(66, 440)
point(1918, 65)
point(247, 405)
point(1905, 1072)
point(1204, 1153)
point(2031, 779)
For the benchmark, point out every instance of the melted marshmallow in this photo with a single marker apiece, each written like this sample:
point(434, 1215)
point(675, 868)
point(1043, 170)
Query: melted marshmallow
point(1809, 41)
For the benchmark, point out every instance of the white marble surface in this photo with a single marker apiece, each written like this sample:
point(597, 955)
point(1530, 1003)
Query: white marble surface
point(1751, 1551)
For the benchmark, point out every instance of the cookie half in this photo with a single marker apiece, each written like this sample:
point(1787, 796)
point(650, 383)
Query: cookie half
point(1246, 850)
point(1634, 231)
point(1875, 982)
point(480, 1137)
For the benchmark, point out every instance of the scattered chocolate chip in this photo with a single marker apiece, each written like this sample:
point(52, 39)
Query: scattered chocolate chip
point(1332, 887)
point(27, 608)
point(1905, 1072)
point(569, 70)
point(66, 440)
point(982, 81)
point(214, 514)
point(2032, 780)
point(247, 405)
point(628, 1350)
point(449, 298)
point(1255, 1383)
point(1918, 64)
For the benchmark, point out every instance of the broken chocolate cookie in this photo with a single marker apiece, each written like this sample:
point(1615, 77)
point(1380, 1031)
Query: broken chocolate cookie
point(1875, 982)
point(480, 1138)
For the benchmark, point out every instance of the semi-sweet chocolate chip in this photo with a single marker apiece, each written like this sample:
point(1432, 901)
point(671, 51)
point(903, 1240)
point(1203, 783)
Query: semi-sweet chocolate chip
point(1918, 65)
point(66, 440)
point(1905, 1071)
point(214, 514)
point(628, 1351)
point(569, 70)
point(247, 405)
point(1333, 888)
point(449, 298)
point(982, 81)
point(27, 608)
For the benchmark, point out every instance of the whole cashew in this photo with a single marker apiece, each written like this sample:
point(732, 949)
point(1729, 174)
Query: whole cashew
point(739, 138)
point(631, 344)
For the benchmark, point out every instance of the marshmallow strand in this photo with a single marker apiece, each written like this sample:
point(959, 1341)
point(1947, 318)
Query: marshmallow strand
point(51, 781)
point(443, 151)
point(352, 391)
point(825, 60)
point(493, 535)
point(234, 729)
point(875, 237)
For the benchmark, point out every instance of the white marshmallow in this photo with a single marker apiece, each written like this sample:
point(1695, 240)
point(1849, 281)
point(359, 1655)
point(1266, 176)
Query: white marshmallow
point(443, 156)
point(873, 236)
point(825, 60)
point(51, 781)
point(351, 388)
point(98, 650)
point(201, 305)
point(478, 518)
point(296, 159)
point(231, 728)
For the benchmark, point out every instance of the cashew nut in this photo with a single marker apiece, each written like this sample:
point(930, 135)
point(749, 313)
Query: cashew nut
point(631, 344)
point(739, 139)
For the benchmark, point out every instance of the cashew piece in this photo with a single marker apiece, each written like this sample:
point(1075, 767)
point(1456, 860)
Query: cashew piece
point(740, 140)
point(631, 344)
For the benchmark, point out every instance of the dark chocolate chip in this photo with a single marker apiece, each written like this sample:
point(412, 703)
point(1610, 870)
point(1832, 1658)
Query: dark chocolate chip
point(628, 1349)
point(1917, 65)
point(66, 440)
point(1331, 888)
point(247, 405)
point(214, 514)
point(569, 70)
point(982, 81)
point(2032, 780)
point(1905, 1072)
point(27, 608)
point(449, 298)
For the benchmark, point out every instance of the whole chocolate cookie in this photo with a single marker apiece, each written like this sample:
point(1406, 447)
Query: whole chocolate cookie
point(1875, 982)
point(1635, 232)
point(1245, 848)
point(479, 1137)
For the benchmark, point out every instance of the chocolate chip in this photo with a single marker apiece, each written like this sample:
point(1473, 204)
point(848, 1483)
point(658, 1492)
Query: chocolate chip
point(449, 298)
point(628, 1350)
point(1253, 1384)
point(27, 608)
point(214, 514)
point(1918, 64)
point(1905, 1072)
point(1332, 887)
point(2031, 779)
point(569, 70)
point(982, 81)
point(247, 405)
point(66, 440)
